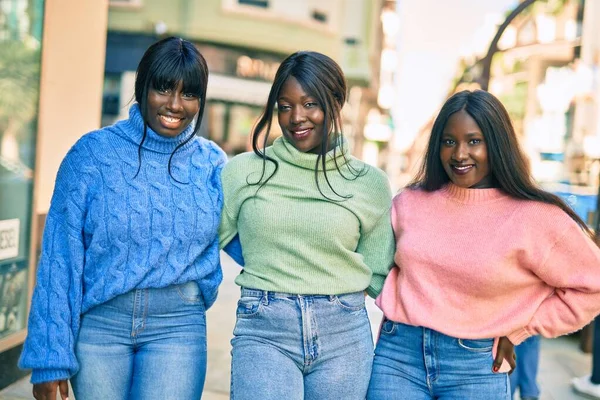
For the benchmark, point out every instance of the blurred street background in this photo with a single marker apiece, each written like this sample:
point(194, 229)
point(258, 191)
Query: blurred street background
point(68, 66)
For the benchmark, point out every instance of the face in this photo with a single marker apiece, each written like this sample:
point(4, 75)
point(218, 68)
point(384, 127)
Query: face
point(300, 117)
point(463, 152)
point(170, 111)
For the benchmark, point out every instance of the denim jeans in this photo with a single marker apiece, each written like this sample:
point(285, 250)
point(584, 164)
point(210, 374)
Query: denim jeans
point(145, 344)
point(595, 378)
point(418, 363)
point(524, 377)
point(298, 347)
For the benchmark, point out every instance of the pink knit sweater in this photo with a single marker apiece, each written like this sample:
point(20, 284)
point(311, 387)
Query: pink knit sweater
point(476, 263)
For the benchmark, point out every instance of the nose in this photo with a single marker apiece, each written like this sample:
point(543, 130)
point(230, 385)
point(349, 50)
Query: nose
point(174, 102)
point(460, 153)
point(297, 116)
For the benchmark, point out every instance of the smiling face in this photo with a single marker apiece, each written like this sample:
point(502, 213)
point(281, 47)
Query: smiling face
point(300, 117)
point(464, 154)
point(170, 111)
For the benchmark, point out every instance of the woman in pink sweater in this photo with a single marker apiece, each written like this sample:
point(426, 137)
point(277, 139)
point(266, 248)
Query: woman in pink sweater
point(484, 259)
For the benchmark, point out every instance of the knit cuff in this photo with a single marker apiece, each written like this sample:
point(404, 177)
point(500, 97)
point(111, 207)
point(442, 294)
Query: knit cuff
point(376, 286)
point(49, 375)
point(518, 336)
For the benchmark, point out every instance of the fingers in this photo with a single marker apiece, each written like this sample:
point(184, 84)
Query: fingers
point(63, 387)
point(48, 390)
point(513, 363)
point(498, 362)
point(505, 357)
point(504, 364)
point(44, 391)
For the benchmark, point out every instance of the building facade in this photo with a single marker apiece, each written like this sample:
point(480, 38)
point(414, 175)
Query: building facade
point(244, 41)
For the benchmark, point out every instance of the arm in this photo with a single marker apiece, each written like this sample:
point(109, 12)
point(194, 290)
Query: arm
point(572, 267)
point(234, 250)
point(229, 239)
point(228, 227)
point(377, 247)
point(232, 247)
point(56, 305)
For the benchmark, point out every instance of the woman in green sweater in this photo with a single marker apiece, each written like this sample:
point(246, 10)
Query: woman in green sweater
point(315, 230)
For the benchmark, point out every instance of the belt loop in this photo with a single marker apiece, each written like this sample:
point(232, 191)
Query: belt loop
point(265, 297)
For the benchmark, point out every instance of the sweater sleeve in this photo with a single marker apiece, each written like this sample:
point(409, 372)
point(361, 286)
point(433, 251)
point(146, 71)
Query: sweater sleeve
point(229, 214)
point(377, 247)
point(377, 244)
point(233, 247)
point(572, 267)
point(56, 304)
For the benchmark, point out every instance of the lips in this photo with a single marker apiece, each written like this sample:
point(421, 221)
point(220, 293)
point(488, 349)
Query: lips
point(301, 133)
point(462, 169)
point(169, 121)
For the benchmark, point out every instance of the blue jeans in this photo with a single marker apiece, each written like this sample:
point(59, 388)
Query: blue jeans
point(524, 377)
point(298, 347)
point(418, 363)
point(145, 344)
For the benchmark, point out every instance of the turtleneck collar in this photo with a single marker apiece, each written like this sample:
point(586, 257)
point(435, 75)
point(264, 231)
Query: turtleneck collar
point(288, 153)
point(133, 128)
point(471, 196)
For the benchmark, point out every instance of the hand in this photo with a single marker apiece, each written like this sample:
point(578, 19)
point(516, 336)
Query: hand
point(47, 390)
point(505, 353)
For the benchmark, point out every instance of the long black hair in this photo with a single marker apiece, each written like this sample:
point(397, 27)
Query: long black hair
point(165, 64)
point(508, 165)
point(322, 78)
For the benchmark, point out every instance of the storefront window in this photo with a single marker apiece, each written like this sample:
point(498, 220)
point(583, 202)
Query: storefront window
point(230, 125)
point(20, 48)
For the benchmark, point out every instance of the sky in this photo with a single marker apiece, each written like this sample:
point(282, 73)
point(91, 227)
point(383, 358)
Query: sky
point(433, 36)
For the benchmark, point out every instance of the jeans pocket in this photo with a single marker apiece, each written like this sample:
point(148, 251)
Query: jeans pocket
point(477, 345)
point(350, 302)
point(388, 327)
point(189, 292)
point(248, 306)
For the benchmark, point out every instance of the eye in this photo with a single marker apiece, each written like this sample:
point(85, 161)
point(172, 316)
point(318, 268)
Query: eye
point(163, 90)
point(190, 96)
point(311, 104)
point(448, 142)
point(475, 141)
point(283, 107)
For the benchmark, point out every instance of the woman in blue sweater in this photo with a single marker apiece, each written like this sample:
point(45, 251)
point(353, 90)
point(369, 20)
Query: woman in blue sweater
point(130, 255)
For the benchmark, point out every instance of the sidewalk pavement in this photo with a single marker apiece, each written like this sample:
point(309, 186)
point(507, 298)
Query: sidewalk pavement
point(560, 361)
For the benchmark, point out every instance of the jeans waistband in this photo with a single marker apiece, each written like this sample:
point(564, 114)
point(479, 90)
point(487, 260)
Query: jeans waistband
point(248, 292)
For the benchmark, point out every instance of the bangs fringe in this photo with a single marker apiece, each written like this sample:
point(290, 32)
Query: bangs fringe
point(170, 71)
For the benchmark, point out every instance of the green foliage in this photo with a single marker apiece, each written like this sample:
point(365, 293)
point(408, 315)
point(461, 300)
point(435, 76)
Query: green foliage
point(19, 82)
point(515, 101)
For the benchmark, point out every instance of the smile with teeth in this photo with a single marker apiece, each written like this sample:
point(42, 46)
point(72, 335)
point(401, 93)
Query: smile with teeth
point(301, 133)
point(169, 119)
point(462, 169)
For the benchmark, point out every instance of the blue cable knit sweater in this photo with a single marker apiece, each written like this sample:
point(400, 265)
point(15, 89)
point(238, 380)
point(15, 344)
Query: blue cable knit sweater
point(109, 231)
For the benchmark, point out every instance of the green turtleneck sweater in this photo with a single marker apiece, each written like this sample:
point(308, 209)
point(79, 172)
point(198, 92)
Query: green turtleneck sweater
point(294, 239)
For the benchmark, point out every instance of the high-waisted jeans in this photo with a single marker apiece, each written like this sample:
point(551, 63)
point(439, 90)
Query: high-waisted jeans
point(145, 344)
point(418, 363)
point(298, 347)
